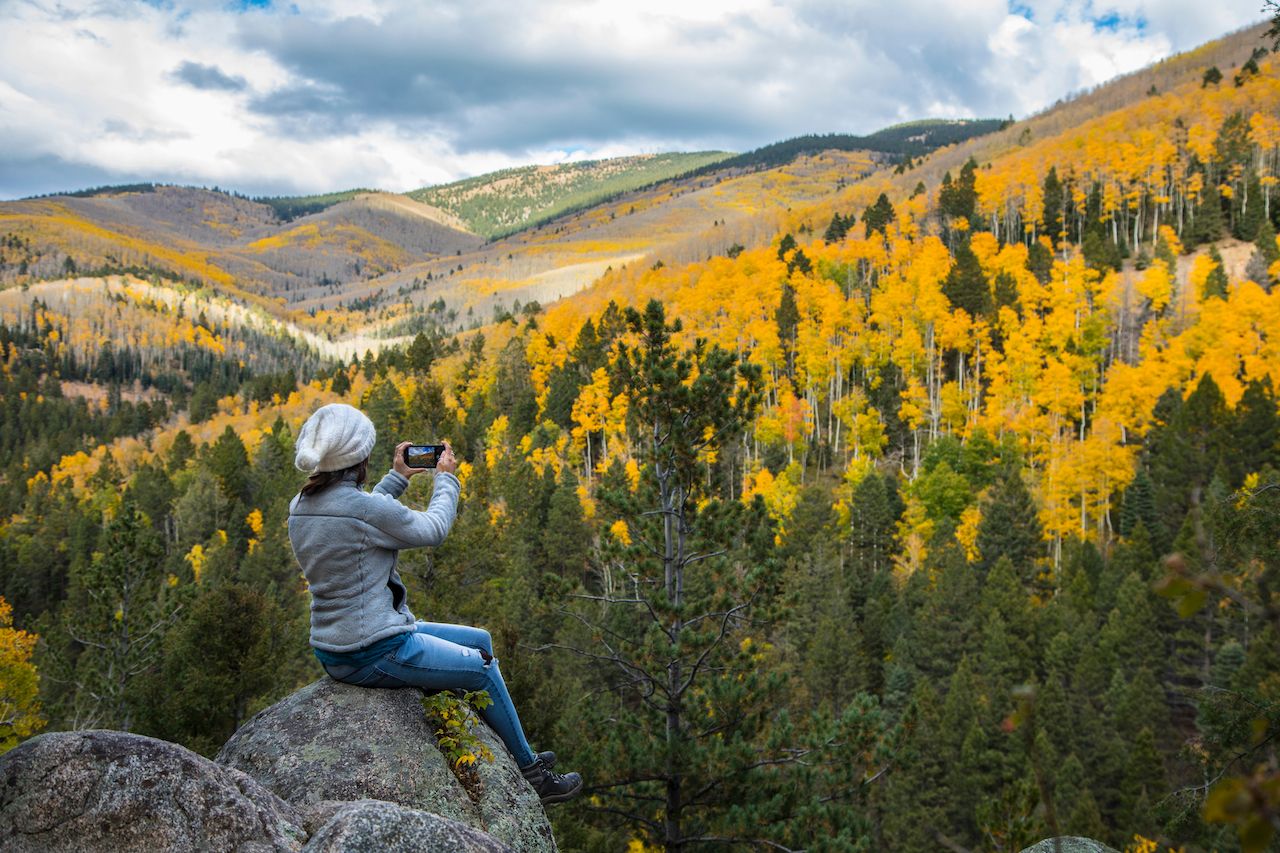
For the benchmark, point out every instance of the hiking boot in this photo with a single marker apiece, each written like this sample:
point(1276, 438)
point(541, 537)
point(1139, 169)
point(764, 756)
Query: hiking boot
point(551, 787)
point(547, 758)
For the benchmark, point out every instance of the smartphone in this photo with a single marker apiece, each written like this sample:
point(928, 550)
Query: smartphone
point(423, 455)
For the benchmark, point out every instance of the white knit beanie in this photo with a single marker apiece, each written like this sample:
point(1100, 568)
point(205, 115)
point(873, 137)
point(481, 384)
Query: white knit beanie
point(336, 436)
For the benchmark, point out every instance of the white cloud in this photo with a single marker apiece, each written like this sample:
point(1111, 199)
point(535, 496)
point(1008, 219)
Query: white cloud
point(328, 94)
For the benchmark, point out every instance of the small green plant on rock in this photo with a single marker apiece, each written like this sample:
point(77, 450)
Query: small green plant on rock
point(453, 724)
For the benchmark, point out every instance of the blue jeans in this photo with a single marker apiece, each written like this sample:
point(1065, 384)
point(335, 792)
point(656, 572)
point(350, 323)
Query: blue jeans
point(440, 656)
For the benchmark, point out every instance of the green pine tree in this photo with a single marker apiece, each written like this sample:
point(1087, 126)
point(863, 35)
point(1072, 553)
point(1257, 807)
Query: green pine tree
point(1208, 224)
point(1010, 526)
point(1139, 504)
point(182, 451)
point(566, 538)
point(1053, 205)
point(200, 510)
point(960, 198)
point(1250, 216)
point(785, 246)
point(1265, 253)
point(1055, 708)
point(837, 230)
point(878, 216)
point(1183, 450)
point(1130, 640)
point(152, 491)
point(229, 462)
point(915, 799)
point(513, 390)
point(972, 768)
point(1145, 782)
point(1215, 286)
point(422, 352)
point(787, 318)
point(1255, 435)
point(966, 286)
point(110, 627)
point(385, 406)
point(680, 638)
point(340, 384)
point(224, 654)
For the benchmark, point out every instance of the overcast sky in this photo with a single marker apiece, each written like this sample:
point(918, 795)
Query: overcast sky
point(302, 97)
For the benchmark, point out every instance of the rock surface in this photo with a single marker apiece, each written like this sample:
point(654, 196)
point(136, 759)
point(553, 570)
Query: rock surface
point(1069, 844)
point(334, 741)
point(373, 826)
point(111, 790)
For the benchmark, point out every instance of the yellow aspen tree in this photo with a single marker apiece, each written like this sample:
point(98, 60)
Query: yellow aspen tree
point(1156, 284)
point(967, 532)
point(781, 494)
point(19, 683)
point(914, 528)
point(1060, 482)
point(1107, 466)
point(590, 412)
point(615, 428)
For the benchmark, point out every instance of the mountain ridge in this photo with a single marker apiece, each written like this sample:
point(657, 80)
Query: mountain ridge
point(367, 260)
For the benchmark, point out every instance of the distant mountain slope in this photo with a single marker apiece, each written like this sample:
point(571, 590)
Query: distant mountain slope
point(363, 262)
point(1072, 111)
point(230, 242)
point(507, 201)
point(912, 139)
point(209, 218)
point(368, 235)
point(674, 221)
point(293, 207)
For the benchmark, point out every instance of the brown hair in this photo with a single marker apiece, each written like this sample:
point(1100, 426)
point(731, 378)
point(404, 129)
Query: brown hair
point(323, 479)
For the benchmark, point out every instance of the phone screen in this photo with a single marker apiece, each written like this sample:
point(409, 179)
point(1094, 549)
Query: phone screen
point(421, 455)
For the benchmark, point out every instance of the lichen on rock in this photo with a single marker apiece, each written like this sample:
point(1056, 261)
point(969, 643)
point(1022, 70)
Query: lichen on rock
point(1069, 844)
point(373, 826)
point(108, 790)
point(334, 741)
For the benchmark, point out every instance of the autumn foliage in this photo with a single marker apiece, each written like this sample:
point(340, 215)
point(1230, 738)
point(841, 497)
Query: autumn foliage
point(987, 406)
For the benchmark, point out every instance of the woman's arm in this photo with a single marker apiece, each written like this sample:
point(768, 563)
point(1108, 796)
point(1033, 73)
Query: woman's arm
point(393, 484)
point(397, 526)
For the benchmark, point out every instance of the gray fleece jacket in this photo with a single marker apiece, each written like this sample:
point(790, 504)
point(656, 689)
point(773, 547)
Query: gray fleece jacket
point(347, 542)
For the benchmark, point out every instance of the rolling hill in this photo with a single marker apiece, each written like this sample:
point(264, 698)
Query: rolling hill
point(909, 139)
point(304, 258)
point(511, 200)
point(357, 263)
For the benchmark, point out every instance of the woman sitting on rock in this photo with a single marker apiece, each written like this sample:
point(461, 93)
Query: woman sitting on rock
point(348, 540)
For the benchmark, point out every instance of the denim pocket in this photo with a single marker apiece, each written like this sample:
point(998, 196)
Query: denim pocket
point(397, 655)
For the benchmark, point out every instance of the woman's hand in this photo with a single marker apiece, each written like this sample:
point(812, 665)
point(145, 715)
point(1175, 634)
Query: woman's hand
point(397, 462)
point(447, 461)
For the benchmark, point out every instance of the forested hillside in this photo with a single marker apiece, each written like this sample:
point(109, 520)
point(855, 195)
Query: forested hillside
point(511, 200)
point(905, 511)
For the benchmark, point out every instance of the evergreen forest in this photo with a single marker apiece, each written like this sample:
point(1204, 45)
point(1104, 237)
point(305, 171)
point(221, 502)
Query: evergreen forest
point(942, 516)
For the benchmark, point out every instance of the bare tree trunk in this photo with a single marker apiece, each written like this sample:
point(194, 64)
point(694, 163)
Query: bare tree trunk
point(673, 570)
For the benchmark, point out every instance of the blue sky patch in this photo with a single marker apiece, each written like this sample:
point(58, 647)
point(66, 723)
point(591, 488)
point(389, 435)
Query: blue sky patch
point(1016, 8)
point(1113, 21)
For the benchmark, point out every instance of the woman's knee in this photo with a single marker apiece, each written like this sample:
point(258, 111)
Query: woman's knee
point(478, 638)
point(493, 675)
